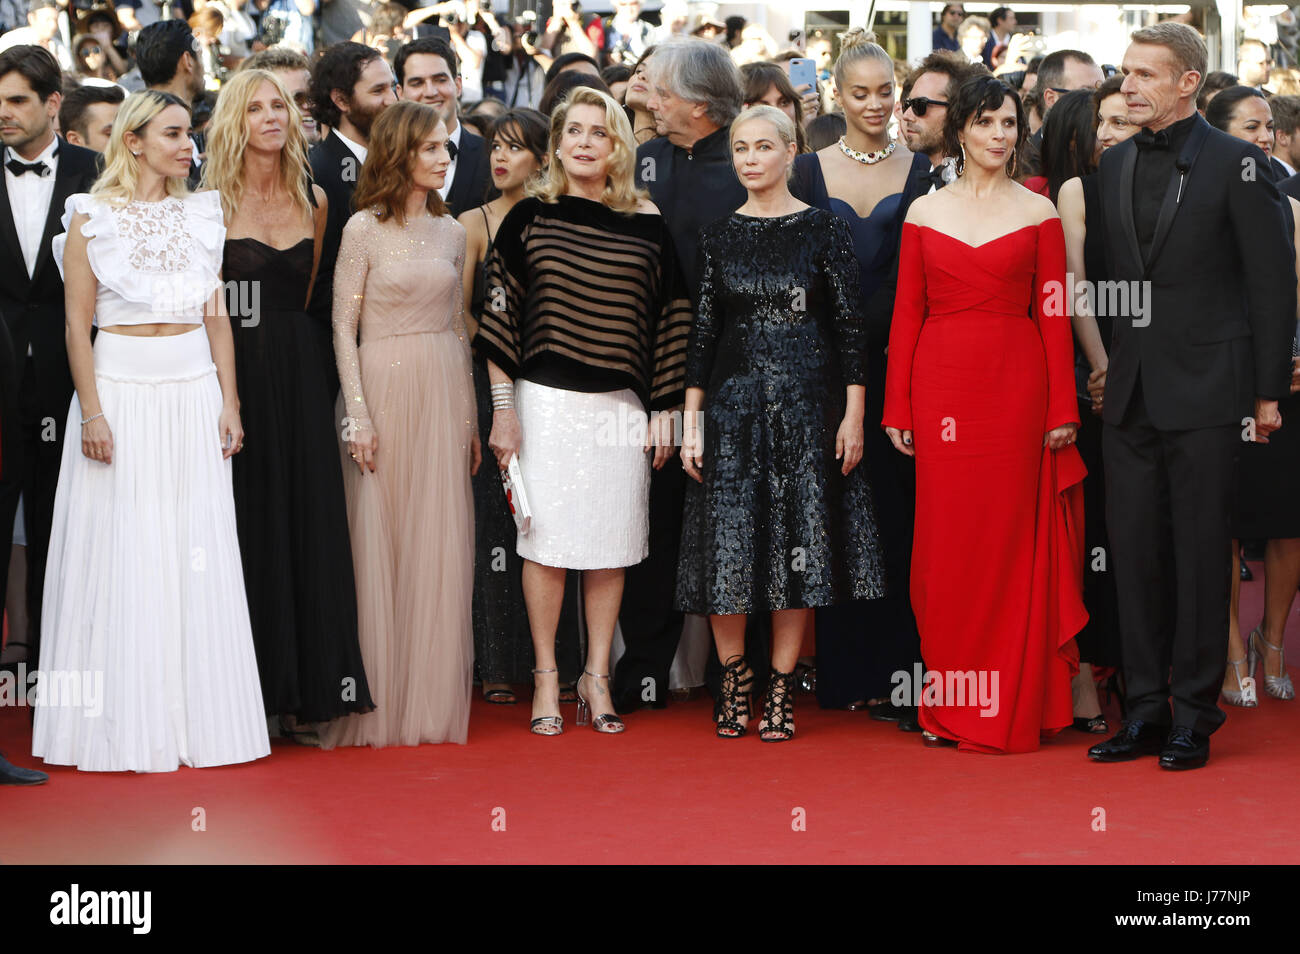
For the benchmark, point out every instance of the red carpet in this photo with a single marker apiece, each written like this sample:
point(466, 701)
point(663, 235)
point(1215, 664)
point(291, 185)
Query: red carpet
point(668, 792)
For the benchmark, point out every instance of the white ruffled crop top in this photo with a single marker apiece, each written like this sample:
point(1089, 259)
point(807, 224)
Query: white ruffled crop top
point(155, 262)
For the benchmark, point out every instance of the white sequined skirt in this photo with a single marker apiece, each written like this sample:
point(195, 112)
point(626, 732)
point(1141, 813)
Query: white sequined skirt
point(586, 476)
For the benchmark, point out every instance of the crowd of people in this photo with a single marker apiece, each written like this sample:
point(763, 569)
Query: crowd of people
point(933, 368)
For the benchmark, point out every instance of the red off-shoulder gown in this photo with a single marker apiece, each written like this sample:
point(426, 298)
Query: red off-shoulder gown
point(980, 368)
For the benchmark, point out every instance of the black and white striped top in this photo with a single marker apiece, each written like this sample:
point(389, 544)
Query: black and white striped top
point(583, 298)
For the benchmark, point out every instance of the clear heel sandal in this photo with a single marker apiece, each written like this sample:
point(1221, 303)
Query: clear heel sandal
point(608, 723)
point(547, 724)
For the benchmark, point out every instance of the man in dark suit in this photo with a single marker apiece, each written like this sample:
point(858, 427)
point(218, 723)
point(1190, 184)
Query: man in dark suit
point(40, 172)
point(927, 91)
point(1196, 230)
point(427, 72)
point(350, 86)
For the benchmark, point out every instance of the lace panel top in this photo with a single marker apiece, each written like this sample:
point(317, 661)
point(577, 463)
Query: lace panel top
point(154, 262)
point(393, 279)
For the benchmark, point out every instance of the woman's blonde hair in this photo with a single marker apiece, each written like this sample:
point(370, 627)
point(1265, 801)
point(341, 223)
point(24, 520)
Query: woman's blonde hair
point(857, 45)
point(223, 169)
point(116, 185)
point(621, 193)
point(385, 179)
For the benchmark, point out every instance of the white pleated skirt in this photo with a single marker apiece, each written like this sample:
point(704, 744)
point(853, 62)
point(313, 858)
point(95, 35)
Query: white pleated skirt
point(586, 476)
point(147, 658)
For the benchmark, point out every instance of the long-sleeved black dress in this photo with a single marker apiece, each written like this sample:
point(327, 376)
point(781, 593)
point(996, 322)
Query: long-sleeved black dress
point(777, 338)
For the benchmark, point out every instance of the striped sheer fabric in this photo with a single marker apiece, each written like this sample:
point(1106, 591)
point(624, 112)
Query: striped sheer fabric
point(583, 298)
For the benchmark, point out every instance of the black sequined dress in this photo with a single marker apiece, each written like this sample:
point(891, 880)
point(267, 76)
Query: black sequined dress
point(778, 335)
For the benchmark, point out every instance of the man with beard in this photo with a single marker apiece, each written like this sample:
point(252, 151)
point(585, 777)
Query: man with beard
point(927, 91)
point(427, 72)
point(350, 86)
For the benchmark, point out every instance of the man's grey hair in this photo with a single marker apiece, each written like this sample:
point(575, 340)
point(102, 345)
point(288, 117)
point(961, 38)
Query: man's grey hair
point(699, 72)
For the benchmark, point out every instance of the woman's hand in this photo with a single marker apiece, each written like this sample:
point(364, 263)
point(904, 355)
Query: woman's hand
point(1097, 388)
point(475, 454)
point(693, 451)
point(848, 443)
point(1059, 437)
point(232, 432)
point(97, 440)
point(902, 441)
point(364, 447)
point(659, 435)
point(506, 437)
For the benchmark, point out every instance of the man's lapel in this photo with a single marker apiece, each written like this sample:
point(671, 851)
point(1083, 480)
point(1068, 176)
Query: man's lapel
point(1179, 181)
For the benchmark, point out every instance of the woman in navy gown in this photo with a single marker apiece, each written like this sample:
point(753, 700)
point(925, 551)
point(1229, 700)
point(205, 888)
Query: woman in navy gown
point(868, 179)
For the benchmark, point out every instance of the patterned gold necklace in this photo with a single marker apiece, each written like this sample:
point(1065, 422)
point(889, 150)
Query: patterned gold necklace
point(867, 158)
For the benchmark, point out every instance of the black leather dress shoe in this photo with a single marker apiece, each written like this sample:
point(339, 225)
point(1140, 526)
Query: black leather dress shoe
point(883, 711)
point(1246, 575)
point(1135, 739)
point(1185, 749)
point(909, 719)
point(13, 775)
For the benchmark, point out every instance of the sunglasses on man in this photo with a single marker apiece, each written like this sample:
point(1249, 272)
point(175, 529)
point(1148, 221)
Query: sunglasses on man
point(919, 104)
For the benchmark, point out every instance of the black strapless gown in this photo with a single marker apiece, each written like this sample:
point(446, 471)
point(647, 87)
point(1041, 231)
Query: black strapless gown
point(289, 504)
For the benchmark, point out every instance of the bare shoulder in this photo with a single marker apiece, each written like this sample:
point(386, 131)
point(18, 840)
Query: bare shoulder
point(923, 208)
point(1038, 207)
point(471, 220)
point(322, 200)
point(1070, 189)
point(1295, 208)
point(646, 207)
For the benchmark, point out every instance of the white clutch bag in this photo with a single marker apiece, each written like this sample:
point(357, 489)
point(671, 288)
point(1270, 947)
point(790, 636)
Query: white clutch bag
point(512, 479)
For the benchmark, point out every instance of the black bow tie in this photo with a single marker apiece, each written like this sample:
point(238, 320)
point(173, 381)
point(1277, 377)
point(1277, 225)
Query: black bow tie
point(932, 178)
point(452, 150)
point(1146, 139)
point(18, 167)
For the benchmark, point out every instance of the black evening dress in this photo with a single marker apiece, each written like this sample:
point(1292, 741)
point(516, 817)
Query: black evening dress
point(289, 505)
point(777, 337)
point(1098, 641)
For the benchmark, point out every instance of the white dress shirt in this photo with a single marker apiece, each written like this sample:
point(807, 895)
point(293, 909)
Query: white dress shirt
point(29, 198)
point(451, 169)
point(355, 148)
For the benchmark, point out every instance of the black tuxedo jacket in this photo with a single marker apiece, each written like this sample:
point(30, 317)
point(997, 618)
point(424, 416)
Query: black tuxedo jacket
point(32, 309)
point(473, 183)
point(335, 169)
point(1291, 187)
point(1219, 286)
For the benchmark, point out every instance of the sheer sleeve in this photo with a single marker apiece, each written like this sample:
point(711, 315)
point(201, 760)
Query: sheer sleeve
point(672, 331)
point(500, 334)
point(701, 351)
point(1054, 324)
point(458, 324)
point(840, 268)
point(905, 329)
point(350, 272)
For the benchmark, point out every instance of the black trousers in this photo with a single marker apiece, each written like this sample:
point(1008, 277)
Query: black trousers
point(1168, 500)
point(651, 625)
point(33, 447)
